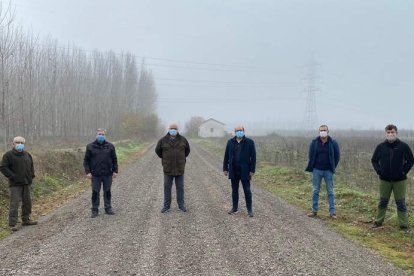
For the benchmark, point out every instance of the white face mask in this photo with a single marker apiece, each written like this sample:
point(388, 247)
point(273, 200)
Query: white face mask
point(391, 137)
point(323, 134)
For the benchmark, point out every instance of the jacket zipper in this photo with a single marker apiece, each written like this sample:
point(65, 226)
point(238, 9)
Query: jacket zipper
point(391, 158)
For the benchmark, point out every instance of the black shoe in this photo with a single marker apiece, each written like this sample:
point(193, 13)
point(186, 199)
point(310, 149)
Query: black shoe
point(233, 211)
point(94, 214)
point(405, 228)
point(13, 228)
point(29, 222)
point(183, 209)
point(376, 225)
point(165, 210)
point(109, 212)
point(250, 214)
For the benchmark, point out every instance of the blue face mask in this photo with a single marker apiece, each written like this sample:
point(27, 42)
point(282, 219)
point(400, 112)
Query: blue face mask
point(239, 134)
point(173, 132)
point(100, 138)
point(19, 147)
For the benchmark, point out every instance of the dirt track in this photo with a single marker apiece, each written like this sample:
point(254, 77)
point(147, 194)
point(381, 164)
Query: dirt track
point(139, 240)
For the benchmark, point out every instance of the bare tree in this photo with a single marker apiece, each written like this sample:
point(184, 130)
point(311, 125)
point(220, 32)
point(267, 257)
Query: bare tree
point(51, 91)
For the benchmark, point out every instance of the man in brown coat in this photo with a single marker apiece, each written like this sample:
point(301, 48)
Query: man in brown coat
point(173, 149)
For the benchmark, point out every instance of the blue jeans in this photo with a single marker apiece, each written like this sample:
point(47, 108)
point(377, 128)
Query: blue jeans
point(179, 186)
point(328, 176)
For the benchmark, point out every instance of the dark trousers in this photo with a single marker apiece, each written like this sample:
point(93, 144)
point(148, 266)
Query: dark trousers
point(106, 183)
point(235, 190)
point(17, 194)
point(179, 185)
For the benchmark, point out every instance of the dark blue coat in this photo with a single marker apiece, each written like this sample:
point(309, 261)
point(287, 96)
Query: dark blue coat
point(334, 154)
point(247, 158)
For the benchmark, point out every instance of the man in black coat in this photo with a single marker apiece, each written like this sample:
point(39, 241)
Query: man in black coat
point(17, 166)
point(101, 166)
point(392, 160)
point(240, 165)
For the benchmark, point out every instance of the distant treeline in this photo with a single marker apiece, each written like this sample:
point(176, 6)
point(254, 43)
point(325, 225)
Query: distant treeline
point(50, 90)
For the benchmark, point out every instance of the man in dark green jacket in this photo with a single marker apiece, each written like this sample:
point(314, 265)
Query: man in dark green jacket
point(392, 160)
point(17, 166)
point(173, 149)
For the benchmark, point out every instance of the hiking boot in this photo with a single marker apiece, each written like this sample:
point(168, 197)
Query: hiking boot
point(376, 225)
point(109, 212)
point(333, 216)
point(165, 210)
point(233, 211)
point(312, 214)
point(94, 214)
point(250, 214)
point(29, 222)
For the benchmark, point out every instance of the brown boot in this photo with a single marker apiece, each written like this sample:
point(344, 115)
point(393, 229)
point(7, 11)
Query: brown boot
point(29, 222)
point(312, 214)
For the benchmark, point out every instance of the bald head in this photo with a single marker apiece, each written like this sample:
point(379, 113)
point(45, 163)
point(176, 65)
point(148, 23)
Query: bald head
point(238, 128)
point(173, 126)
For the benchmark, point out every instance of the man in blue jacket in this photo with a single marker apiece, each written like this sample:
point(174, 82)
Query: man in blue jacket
point(323, 158)
point(240, 165)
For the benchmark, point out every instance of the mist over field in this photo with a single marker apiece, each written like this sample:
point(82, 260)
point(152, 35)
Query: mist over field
point(253, 62)
point(74, 72)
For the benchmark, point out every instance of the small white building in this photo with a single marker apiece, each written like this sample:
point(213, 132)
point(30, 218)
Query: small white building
point(211, 128)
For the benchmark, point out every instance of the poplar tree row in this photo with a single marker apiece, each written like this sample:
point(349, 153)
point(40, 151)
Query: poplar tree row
point(49, 90)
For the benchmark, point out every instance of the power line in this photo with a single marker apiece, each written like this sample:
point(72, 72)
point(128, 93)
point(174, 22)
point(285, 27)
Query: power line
point(198, 62)
point(214, 81)
point(224, 85)
point(247, 68)
point(227, 101)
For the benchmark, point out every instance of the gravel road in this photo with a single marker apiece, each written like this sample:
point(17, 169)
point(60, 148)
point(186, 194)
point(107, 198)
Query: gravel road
point(139, 240)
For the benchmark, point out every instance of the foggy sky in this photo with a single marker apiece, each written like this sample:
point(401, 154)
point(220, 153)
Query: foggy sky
point(241, 61)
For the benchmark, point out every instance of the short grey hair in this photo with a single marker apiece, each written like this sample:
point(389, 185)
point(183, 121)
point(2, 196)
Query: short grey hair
point(19, 139)
point(100, 130)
